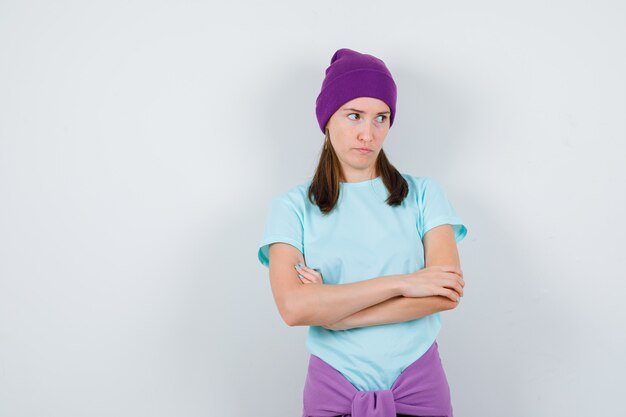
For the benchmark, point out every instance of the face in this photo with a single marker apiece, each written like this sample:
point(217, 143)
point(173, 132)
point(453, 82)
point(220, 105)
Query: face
point(357, 131)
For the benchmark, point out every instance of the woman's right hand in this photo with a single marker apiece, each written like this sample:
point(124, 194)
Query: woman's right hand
point(444, 280)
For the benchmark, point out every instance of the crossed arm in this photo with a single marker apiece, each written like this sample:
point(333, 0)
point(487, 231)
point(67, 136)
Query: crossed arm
point(439, 249)
point(394, 310)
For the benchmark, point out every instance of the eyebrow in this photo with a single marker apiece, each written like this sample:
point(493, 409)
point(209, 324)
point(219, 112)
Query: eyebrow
point(361, 111)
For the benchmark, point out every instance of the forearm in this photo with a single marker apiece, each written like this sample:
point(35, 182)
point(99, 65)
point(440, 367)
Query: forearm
point(395, 310)
point(321, 304)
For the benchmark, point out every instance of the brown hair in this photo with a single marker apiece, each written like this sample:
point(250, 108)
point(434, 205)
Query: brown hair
point(324, 188)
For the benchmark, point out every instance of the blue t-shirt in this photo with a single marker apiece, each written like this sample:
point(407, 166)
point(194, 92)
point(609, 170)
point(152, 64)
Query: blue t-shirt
point(363, 238)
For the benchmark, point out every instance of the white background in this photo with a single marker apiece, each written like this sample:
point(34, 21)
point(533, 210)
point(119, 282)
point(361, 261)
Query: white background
point(141, 141)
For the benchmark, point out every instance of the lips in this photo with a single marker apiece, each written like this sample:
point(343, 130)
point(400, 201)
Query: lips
point(364, 150)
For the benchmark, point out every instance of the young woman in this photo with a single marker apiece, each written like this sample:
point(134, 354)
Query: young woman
point(367, 257)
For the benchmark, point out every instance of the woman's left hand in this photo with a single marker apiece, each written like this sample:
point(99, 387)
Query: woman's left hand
point(308, 275)
point(311, 276)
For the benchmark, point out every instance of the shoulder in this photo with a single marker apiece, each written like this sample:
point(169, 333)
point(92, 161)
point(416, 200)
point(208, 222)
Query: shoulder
point(418, 183)
point(423, 188)
point(295, 197)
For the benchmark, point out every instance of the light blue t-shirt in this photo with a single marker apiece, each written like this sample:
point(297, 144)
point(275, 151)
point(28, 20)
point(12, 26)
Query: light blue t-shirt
point(363, 238)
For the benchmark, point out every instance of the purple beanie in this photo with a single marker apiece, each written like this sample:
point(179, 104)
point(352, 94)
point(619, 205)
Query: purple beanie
point(352, 74)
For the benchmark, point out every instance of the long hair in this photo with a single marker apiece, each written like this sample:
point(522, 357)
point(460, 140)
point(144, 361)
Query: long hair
point(324, 188)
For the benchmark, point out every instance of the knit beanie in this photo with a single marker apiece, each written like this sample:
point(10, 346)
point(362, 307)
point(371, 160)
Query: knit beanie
point(352, 74)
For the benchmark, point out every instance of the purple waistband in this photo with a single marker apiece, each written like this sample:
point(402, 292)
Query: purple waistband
point(420, 390)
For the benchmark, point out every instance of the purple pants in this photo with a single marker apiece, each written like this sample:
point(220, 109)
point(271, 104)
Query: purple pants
point(420, 390)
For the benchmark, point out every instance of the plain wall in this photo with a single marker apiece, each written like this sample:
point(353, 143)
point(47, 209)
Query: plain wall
point(141, 142)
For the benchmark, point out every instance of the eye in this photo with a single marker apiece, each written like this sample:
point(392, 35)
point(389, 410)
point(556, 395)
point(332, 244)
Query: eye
point(383, 116)
point(356, 114)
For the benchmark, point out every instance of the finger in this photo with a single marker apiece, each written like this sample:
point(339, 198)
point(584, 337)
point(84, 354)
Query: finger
point(311, 270)
point(311, 278)
point(458, 288)
point(453, 268)
point(456, 270)
point(311, 274)
point(448, 293)
point(448, 268)
point(455, 277)
point(458, 279)
point(303, 278)
point(451, 294)
point(454, 284)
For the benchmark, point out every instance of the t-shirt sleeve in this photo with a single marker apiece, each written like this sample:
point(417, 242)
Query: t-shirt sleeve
point(437, 210)
point(284, 224)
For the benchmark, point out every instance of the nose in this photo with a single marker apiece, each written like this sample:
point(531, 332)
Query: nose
point(365, 134)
